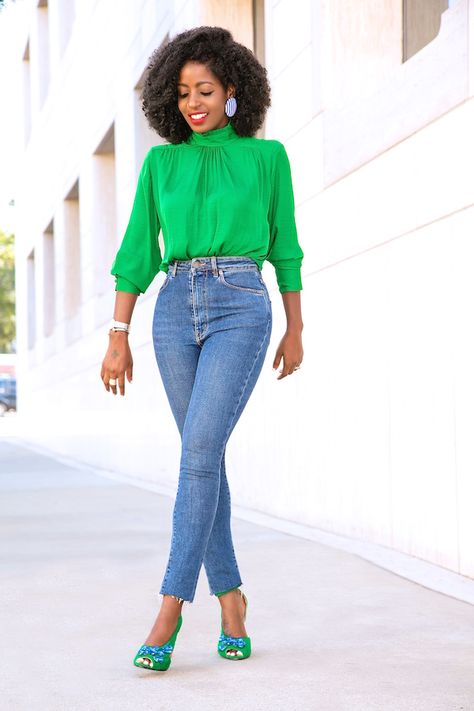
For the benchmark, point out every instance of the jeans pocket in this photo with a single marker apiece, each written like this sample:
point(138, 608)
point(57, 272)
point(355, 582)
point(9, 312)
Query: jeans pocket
point(246, 280)
point(165, 283)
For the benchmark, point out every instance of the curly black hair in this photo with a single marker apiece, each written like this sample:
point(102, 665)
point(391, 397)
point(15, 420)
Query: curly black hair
point(230, 61)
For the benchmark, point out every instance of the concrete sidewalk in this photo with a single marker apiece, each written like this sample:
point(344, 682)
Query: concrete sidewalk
point(82, 561)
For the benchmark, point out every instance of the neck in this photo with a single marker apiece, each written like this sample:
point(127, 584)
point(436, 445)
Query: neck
point(213, 137)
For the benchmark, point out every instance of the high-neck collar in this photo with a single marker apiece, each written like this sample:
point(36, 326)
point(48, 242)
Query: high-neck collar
point(214, 137)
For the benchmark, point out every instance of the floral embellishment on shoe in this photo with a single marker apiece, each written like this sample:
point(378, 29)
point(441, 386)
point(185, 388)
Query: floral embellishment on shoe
point(227, 641)
point(234, 648)
point(157, 656)
point(224, 640)
point(156, 652)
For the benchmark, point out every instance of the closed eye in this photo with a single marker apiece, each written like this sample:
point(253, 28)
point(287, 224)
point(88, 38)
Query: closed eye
point(204, 93)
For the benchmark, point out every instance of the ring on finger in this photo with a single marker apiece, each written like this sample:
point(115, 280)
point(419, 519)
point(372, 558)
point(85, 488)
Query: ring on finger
point(112, 381)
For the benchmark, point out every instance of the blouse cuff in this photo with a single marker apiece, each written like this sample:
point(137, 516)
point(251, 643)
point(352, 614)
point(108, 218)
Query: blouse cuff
point(288, 275)
point(123, 284)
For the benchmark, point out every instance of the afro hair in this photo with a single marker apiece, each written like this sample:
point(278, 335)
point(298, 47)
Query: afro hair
point(231, 62)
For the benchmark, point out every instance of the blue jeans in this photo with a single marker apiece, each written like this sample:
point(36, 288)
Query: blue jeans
point(211, 329)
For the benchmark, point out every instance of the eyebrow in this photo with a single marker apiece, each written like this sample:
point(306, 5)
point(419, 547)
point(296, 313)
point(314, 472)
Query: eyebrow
point(197, 83)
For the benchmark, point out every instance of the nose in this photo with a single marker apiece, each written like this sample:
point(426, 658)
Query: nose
point(191, 105)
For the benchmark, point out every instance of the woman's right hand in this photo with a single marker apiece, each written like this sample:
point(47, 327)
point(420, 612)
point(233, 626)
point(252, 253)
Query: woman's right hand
point(118, 361)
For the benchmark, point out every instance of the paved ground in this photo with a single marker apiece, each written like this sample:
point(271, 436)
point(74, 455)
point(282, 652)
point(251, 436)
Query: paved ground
point(82, 560)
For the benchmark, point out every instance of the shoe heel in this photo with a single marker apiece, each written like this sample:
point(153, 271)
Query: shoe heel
point(157, 657)
point(241, 646)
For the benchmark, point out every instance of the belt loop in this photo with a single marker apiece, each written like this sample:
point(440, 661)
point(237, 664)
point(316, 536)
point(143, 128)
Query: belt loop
point(174, 267)
point(214, 265)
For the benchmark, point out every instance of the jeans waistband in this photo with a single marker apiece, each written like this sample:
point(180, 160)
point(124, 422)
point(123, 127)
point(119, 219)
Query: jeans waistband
point(212, 263)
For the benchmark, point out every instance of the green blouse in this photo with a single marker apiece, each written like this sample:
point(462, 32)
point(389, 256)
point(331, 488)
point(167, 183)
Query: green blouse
point(217, 193)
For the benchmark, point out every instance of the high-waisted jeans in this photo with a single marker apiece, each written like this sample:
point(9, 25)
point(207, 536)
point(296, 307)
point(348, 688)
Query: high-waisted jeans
point(211, 329)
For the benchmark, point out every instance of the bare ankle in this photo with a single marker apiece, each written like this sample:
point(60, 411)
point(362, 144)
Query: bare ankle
point(173, 602)
point(230, 597)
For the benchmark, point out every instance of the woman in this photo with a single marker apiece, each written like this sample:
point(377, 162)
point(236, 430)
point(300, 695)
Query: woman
point(224, 202)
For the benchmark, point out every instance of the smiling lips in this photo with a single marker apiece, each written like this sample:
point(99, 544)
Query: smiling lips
point(197, 118)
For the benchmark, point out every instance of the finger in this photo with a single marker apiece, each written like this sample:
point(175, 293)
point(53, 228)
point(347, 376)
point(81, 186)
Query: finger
point(283, 372)
point(129, 373)
point(105, 380)
point(112, 386)
point(276, 360)
point(287, 369)
point(121, 383)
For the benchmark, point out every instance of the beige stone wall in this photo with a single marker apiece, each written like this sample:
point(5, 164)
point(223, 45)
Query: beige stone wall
point(234, 15)
point(373, 437)
point(362, 46)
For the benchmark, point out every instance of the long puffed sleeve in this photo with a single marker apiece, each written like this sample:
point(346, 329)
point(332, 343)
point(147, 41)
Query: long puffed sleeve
point(285, 252)
point(138, 259)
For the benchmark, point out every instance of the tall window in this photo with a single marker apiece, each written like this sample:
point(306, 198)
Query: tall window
point(49, 298)
point(258, 17)
point(72, 252)
point(104, 222)
point(43, 50)
point(421, 23)
point(26, 93)
point(31, 298)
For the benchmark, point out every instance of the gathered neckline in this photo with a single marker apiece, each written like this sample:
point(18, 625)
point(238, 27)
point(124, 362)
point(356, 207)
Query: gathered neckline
point(214, 137)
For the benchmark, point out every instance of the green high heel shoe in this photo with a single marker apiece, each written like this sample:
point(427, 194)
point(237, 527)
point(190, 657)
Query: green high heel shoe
point(234, 647)
point(157, 657)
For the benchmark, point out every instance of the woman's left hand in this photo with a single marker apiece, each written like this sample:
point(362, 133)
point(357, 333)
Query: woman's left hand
point(291, 348)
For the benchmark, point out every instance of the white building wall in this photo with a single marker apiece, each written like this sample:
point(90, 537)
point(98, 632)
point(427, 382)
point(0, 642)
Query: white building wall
point(371, 438)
